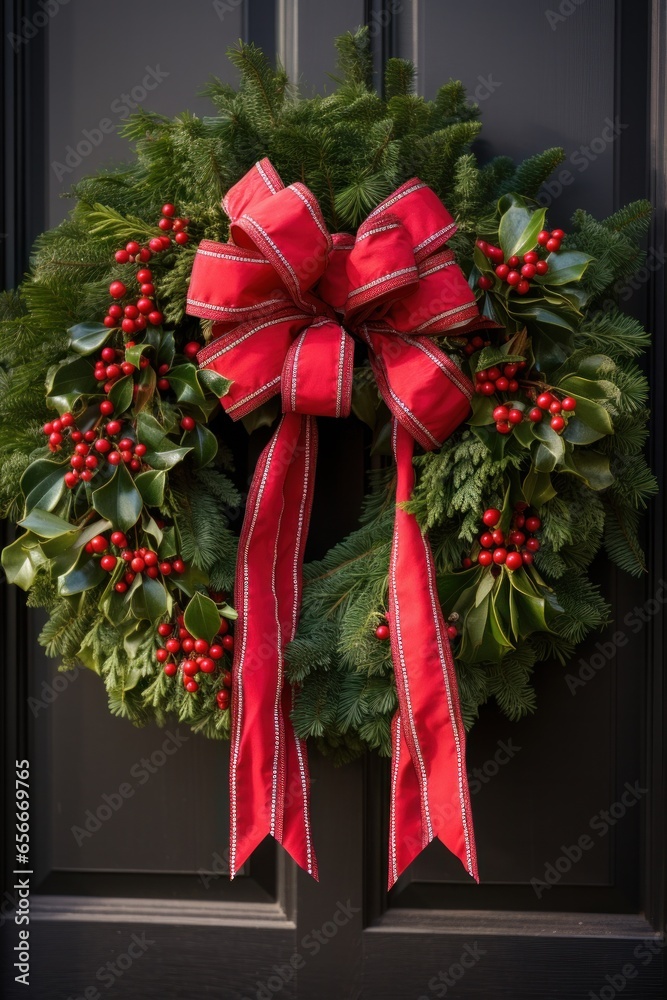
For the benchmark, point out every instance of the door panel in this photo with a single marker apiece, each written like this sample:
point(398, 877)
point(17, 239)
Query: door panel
point(151, 861)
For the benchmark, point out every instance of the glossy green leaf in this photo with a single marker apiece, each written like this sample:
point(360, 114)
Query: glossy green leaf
point(120, 395)
point(46, 525)
point(86, 338)
point(489, 356)
point(43, 484)
point(150, 600)
point(203, 443)
point(579, 432)
point(592, 467)
point(21, 559)
point(564, 266)
point(550, 450)
point(202, 618)
point(518, 230)
point(150, 431)
point(119, 500)
point(69, 381)
point(167, 456)
point(185, 384)
point(215, 383)
point(151, 486)
point(482, 411)
point(86, 574)
point(365, 402)
point(227, 611)
point(537, 488)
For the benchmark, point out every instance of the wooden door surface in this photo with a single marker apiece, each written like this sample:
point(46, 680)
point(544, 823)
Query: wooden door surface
point(130, 895)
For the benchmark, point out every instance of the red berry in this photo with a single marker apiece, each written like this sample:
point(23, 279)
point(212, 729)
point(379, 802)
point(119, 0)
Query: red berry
point(122, 256)
point(128, 326)
point(140, 449)
point(452, 631)
point(165, 568)
point(147, 288)
point(155, 317)
point(71, 479)
point(113, 458)
point(483, 245)
point(513, 262)
point(99, 543)
point(164, 628)
point(533, 544)
point(191, 686)
point(487, 388)
point(181, 238)
point(523, 287)
point(500, 413)
point(513, 385)
point(226, 680)
point(216, 652)
point(502, 271)
point(556, 406)
point(222, 699)
point(77, 461)
point(485, 282)
point(145, 305)
point(557, 234)
point(117, 289)
point(76, 436)
point(495, 254)
point(466, 562)
point(178, 565)
point(138, 564)
point(116, 311)
point(544, 400)
point(513, 278)
point(533, 524)
point(113, 427)
point(557, 424)
point(201, 646)
point(491, 516)
point(163, 369)
point(106, 408)
point(126, 455)
point(498, 537)
point(127, 555)
point(553, 245)
point(486, 540)
point(125, 444)
point(503, 427)
point(493, 374)
point(168, 209)
point(529, 270)
point(517, 537)
point(87, 475)
point(173, 645)
point(190, 668)
point(515, 416)
point(207, 665)
point(110, 322)
point(151, 558)
point(514, 560)
point(381, 632)
point(531, 257)
point(81, 448)
point(108, 563)
point(502, 384)
point(156, 244)
point(541, 267)
point(102, 445)
point(91, 461)
point(568, 403)
point(165, 224)
point(120, 587)
point(188, 423)
point(170, 669)
point(191, 349)
point(499, 556)
point(144, 275)
point(161, 655)
point(223, 628)
point(542, 237)
point(510, 370)
point(55, 439)
point(48, 428)
point(485, 558)
point(228, 642)
point(527, 558)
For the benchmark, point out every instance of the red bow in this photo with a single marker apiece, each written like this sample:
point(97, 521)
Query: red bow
point(285, 295)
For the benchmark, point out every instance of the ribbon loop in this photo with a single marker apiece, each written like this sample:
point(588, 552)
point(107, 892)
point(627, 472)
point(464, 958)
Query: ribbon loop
point(285, 297)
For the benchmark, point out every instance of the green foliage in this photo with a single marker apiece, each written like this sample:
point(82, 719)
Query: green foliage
point(352, 148)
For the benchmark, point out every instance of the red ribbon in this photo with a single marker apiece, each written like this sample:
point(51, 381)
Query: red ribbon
point(285, 296)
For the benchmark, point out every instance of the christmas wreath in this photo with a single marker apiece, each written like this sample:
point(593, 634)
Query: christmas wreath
point(121, 475)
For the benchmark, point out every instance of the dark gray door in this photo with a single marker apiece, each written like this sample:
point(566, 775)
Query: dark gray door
point(130, 895)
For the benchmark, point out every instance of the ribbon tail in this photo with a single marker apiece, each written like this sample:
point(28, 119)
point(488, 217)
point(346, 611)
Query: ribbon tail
point(269, 786)
point(429, 788)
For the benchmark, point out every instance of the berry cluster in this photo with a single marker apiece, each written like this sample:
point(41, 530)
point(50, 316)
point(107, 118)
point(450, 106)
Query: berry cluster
point(111, 365)
point(475, 344)
point(514, 550)
point(94, 446)
point(518, 272)
point(492, 380)
point(547, 402)
point(141, 560)
point(189, 656)
point(134, 316)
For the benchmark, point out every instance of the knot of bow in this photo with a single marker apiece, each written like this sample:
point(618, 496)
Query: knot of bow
point(288, 299)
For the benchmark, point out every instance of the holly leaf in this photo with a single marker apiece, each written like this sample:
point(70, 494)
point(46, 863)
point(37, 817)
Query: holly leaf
point(537, 488)
point(21, 559)
point(564, 266)
point(185, 384)
point(42, 484)
point(151, 600)
point(120, 394)
point(86, 338)
point(517, 233)
point(203, 444)
point(202, 618)
point(214, 382)
point(150, 431)
point(119, 500)
point(263, 416)
point(167, 456)
point(69, 382)
point(550, 449)
point(46, 525)
point(87, 573)
point(482, 411)
point(495, 356)
point(592, 467)
point(151, 485)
